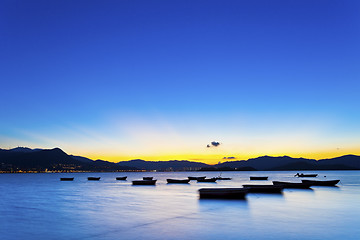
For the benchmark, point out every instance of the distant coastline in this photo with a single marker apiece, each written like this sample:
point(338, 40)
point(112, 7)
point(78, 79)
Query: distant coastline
point(26, 160)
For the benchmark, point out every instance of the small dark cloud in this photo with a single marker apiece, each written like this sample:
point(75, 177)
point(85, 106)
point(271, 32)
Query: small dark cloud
point(213, 144)
point(229, 157)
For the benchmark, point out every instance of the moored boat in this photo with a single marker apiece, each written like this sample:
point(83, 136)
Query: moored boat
point(178, 180)
point(196, 178)
point(321, 183)
point(121, 178)
point(222, 178)
point(305, 175)
point(144, 182)
point(252, 188)
point(258, 178)
point(207, 180)
point(147, 178)
point(93, 178)
point(223, 193)
point(66, 179)
point(291, 184)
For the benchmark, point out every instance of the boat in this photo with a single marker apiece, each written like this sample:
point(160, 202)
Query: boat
point(222, 178)
point(144, 182)
point(258, 178)
point(321, 183)
point(252, 188)
point(291, 184)
point(207, 180)
point(196, 178)
point(66, 179)
point(223, 193)
point(121, 178)
point(305, 175)
point(93, 178)
point(147, 178)
point(178, 180)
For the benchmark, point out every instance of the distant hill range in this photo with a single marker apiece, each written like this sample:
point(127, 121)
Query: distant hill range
point(26, 159)
point(267, 163)
point(40, 160)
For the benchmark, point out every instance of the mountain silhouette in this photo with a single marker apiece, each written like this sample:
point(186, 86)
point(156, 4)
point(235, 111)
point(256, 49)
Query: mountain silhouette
point(266, 163)
point(26, 159)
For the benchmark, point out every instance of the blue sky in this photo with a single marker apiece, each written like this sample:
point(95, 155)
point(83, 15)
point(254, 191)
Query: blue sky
point(161, 79)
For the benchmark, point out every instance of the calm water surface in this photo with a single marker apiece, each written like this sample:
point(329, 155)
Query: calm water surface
point(40, 206)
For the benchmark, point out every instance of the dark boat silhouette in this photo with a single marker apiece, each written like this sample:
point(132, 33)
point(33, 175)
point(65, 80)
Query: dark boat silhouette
point(321, 183)
point(258, 178)
point(178, 180)
point(305, 175)
point(223, 193)
point(196, 178)
point(121, 178)
point(144, 182)
point(252, 188)
point(66, 179)
point(93, 178)
point(148, 178)
point(292, 184)
point(222, 178)
point(207, 180)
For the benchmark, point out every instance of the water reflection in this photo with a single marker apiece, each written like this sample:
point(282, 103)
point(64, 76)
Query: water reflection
point(36, 205)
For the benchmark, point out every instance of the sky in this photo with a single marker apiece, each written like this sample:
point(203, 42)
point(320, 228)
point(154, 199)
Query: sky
point(160, 80)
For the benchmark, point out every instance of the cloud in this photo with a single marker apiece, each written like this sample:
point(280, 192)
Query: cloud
point(229, 157)
point(213, 144)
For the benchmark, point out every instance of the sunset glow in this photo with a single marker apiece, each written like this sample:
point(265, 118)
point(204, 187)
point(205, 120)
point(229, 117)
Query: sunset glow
point(160, 81)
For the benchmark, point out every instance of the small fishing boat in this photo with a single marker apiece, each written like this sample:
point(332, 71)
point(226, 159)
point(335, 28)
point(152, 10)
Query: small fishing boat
point(258, 178)
point(291, 184)
point(222, 178)
point(147, 178)
point(121, 178)
point(207, 180)
point(144, 182)
point(66, 179)
point(305, 175)
point(321, 183)
point(196, 178)
point(178, 180)
point(93, 178)
point(223, 193)
point(252, 188)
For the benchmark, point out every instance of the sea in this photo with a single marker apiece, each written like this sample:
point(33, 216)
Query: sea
point(40, 206)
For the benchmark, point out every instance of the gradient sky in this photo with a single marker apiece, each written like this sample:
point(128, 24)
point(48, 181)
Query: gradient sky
point(160, 80)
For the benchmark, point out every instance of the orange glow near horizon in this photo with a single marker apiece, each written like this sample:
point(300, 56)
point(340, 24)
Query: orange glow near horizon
point(216, 158)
